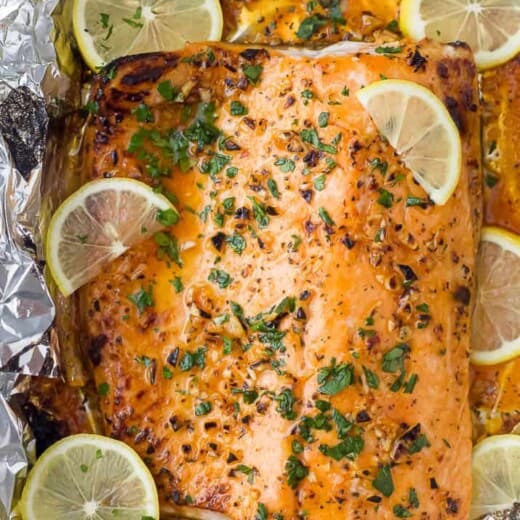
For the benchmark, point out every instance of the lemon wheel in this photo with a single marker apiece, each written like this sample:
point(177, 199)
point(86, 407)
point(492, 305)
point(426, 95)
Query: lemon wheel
point(98, 223)
point(109, 29)
point(84, 477)
point(490, 27)
point(417, 124)
point(496, 319)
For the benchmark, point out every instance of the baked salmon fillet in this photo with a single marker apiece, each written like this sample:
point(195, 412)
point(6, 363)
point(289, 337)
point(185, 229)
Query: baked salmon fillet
point(495, 390)
point(297, 21)
point(296, 344)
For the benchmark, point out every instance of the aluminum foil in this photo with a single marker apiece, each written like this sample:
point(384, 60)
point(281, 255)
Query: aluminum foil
point(32, 88)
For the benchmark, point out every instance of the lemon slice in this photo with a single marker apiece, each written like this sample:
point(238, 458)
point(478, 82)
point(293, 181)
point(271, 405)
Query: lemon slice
point(109, 29)
point(89, 477)
point(496, 319)
point(496, 475)
point(490, 27)
point(98, 223)
point(420, 128)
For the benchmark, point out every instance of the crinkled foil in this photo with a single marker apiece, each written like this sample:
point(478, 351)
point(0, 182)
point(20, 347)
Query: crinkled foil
point(32, 92)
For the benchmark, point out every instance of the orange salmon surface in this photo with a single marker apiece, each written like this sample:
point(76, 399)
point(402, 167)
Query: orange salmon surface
point(296, 345)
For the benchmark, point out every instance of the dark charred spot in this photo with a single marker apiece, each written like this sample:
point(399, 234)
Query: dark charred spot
point(453, 109)
point(307, 195)
point(95, 348)
point(442, 70)
point(271, 211)
point(289, 102)
point(210, 425)
point(348, 242)
point(375, 499)
point(311, 158)
point(412, 434)
point(242, 83)
point(305, 295)
point(173, 357)
point(114, 157)
point(231, 458)
point(230, 68)
point(229, 83)
point(204, 314)
point(218, 241)
point(261, 244)
point(467, 100)
point(355, 147)
point(300, 314)
point(417, 61)
point(462, 294)
point(243, 213)
point(101, 138)
point(231, 146)
point(433, 483)
point(213, 446)
point(408, 272)
point(452, 506)
point(186, 448)
point(246, 419)
point(249, 122)
point(46, 429)
point(309, 226)
point(175, 423)
point(252, 54)
point(362, 416)
point(96, 305)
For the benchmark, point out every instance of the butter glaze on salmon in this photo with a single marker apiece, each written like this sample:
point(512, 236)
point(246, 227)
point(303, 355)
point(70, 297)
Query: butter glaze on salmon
point(297, 344)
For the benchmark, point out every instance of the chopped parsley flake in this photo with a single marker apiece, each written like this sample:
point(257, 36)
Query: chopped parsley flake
point(273, 188)
point(142, 299)
point(324, 215)
point(177, 284)
point(246, 470)
point(319, 182)
point(220, 277)
point(260, 213)
point(167, 90)
point(296, 471)
point(418, 444)
point(335, 378)
point(143, 114)
point(310, 26)
point(401, 511)
point(286, 401)
point(393, 360)
point(168, 246)
point(237, 243)
point(252, 73)
point(372, 379)
point(323, 119)
point(349, 448)
point(192, 359)
point(167, 217)
point(388, 50)
point(203, 408)
point(103, 389)
point(238, 109)
point(386, 199)
point(286, 165)
point(383, 481)
point(261, 512)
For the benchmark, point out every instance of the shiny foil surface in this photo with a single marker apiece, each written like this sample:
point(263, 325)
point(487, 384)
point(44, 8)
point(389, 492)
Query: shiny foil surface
point(30, 88)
